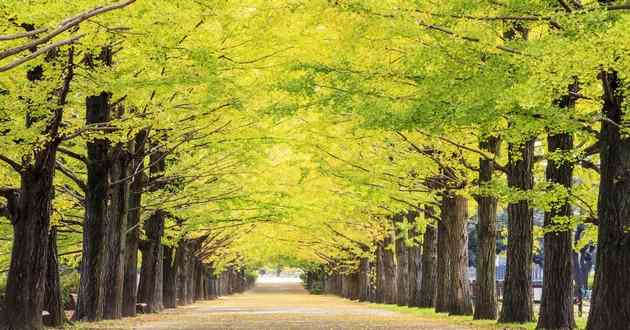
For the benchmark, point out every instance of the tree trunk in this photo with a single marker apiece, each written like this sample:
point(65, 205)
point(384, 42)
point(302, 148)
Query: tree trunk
point(517, 298)
point(170, 278)
point(402, 268)
point(151, 277)
point(485, 291)
point(609, 306)
point(364, 279)
point(95, 228)
point(456, 208)
point(53, 301)
point(190, 279)
point(415, 272)
point(130, 290)
point(389, 267)
point(182, 274)
point(427, 294)
point(115, 276)
point(31, 218)
point(443, 266)
point(556, 307)
point(379, 293)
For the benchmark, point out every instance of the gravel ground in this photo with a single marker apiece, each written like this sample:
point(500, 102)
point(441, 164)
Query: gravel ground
point(276, 306)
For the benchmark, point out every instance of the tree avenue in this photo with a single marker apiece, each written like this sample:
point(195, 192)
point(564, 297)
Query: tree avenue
point(401, 152)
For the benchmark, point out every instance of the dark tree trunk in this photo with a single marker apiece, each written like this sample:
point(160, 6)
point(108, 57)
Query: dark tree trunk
point(415, 272)
point(427, 293)
point(190, 279)
point(485, 291)
point(170, 278)
point(53, 301)
point(364, 279)
point(95, 228)
point(402, 268)
point(389, 270)
point(556, 307)
point(517, 298)
point(199, 273)
point(456, 207)
point(31, 209)
point(130, 290)
point(379, 293)
point(609, 306)
point(151, 277)
point(443, 266)
point(119, 208)
point(182, 273)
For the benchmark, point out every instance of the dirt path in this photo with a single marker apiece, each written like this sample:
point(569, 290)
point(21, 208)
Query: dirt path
point(277, 306)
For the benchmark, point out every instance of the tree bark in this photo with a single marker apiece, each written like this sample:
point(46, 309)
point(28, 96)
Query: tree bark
point(485, 288)
point(456, 207)
point(170, 277)
point(609, 305)
point(427, 293)
point(95, 229)
point(182, 273)
point(119, 208)
point(389, 270)
point(517, 298)
point(556, 307)
point(364, 279)
point(379, 293)
point(53, 301)
point(415, 272)
point(402, 267)
point(130, 288)
point(443, 266)
point(151, 277)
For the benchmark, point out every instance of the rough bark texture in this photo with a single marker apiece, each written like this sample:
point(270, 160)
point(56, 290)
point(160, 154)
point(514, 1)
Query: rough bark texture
point(379, 294)
point(53, 301)
point(30, 209)
point(415, 270)
point(170, 278)
point(389, 270)
point(485, 291)
point(182, 274)
point(427, 294)
point(456, 208)
point(130, 290)
point(443, 266)
point(556, 308)
point(609, 306)
point(402, 266)
point(517, 298)
point(92, 290)
point(151, 277)
point(27, 273)
point(119, 208)
point(364, 279)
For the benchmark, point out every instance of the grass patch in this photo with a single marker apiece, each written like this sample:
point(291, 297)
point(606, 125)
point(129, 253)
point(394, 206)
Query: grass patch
point(430, 314)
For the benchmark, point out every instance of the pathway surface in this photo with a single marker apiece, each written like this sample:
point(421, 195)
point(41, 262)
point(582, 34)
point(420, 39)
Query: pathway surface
point(277, 306)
